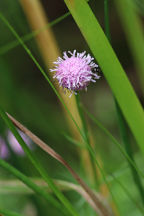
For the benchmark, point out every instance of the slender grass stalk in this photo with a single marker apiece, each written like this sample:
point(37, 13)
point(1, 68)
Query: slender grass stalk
point(110, 66)
point(121, 120)
point(85, 130)
point(37, 165)
point(134, 33)
point(5, 48)
point(34, 187)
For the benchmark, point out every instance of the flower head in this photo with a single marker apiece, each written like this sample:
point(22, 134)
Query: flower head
point(75, 72)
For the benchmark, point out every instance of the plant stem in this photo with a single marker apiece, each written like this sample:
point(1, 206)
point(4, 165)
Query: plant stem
point(86, 134)
point(121, 120)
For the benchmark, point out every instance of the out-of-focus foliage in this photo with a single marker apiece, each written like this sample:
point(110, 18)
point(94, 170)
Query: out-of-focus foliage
point(26, 95)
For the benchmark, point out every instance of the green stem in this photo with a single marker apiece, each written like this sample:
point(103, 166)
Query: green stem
point(37, 165)
point(85, 130)
point(122, 123)
point(91, 151)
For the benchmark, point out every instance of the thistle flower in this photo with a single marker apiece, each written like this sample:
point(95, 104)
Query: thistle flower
point(75, 72)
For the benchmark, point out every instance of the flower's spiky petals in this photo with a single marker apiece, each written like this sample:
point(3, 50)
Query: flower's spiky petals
point(75, 72)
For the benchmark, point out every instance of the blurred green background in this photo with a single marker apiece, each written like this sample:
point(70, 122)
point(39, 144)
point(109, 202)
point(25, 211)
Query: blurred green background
point(26, 95)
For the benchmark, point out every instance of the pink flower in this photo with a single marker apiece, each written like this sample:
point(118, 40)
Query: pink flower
point(75, 72)
point(4, 152)
point(16, 147)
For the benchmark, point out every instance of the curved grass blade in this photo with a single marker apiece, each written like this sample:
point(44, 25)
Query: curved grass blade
point(16, 186)
point(37, 165)
point(27, 181)
point(55, 155)
point(111, 67)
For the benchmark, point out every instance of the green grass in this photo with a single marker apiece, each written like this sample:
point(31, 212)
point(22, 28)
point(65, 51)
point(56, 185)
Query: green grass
point(39, 110)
